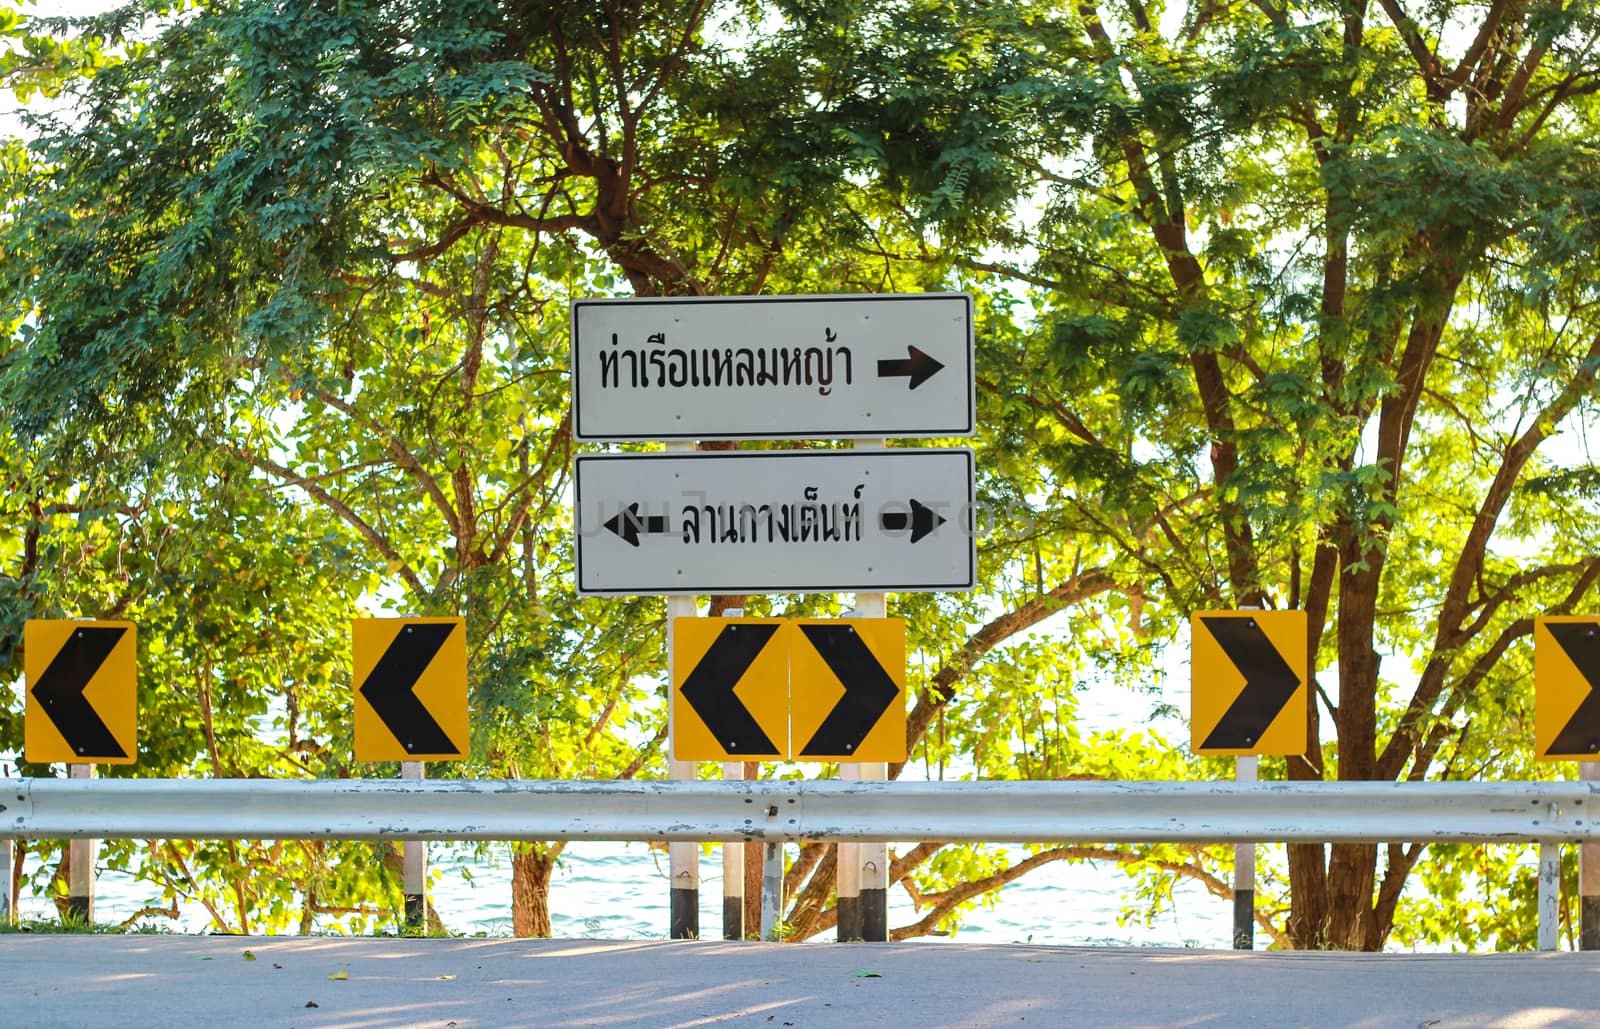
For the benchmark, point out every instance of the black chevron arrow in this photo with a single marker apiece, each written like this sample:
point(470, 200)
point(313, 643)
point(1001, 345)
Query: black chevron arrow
point(868, 690)
point(922, 520)
point(917, 366)
point(388, 688)
point(59, 691)
point(630, 523)
point(1581, 641)
point(1269, 682)
point(709, 690)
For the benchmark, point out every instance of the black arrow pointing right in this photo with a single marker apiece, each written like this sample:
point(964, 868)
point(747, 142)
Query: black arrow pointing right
point(389, 688)
point(1581, 641)
point(60, 691)
point(868, 690)
point(709, 690)
point(916, 366)
point(922, 520)
point(1269, 682)
point(630, 523)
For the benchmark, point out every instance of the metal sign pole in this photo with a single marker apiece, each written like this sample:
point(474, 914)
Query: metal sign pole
point(1245, 769)
point(683, 859)
point(771, 890)
point(873, 858)
point(80, 865)
point(414, 862)
point(1589, 877)
point(8, 916)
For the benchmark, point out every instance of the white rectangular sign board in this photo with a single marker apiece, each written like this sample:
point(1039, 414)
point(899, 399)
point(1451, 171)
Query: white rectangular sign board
point(775, 521)
point(790, 367)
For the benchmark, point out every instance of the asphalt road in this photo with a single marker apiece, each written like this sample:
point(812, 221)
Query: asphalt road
point(50, 980)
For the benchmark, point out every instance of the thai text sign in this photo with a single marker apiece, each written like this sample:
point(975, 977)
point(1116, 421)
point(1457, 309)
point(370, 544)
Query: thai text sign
point(773, 367)
point(775, 521)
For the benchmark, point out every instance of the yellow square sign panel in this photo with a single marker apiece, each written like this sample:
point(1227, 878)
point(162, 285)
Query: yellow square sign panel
point(730, 689)
point(1248, 682)
point(847, 690)
point(410, 689)
point(82, 692)
point(1566, 670)
point(780, 689)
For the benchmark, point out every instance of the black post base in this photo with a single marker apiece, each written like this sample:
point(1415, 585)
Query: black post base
point(732, 918)
point(416, 910)
point(849, 919)
point(1589, 923)
point(80, 910)
point(685, 914)
point(1244, 920)
point(875, 915)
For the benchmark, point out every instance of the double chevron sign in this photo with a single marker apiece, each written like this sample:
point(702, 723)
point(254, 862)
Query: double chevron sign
point(775, 689)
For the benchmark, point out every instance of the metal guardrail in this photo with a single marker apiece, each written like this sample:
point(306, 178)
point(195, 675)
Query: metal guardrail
point(785, 810)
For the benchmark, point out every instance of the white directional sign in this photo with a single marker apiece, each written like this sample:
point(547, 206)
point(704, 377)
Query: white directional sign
point(775, 521)
point(773, 367)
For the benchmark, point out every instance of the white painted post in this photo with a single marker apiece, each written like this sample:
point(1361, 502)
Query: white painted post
point(771, 890)
point(847, 874)
point(873, 858)
point(683, 858)
point(80, 862)
point(8, 911)
point(733, 870)
point(1589, 876)
point(414, 862)
point(1549, 895)
point(1245, 769)
point(8, 916)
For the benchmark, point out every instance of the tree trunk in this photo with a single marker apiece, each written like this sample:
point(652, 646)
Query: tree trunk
point(531, 868)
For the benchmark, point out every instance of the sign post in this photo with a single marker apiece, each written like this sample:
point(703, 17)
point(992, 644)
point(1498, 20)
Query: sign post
point(1248, 691)
point(683, 859)
point(1566, 676)
point(410, 678)
point(685, 523)
point(81, 707)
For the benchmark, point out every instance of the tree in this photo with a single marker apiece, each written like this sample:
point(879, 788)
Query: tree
point(1334, 262)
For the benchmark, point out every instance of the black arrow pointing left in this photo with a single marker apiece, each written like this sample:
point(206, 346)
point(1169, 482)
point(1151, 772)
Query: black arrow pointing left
point(868, 690)
point(389, 688)
point(1581, 641)
point(709, 690)
point(59, 691)
point(629, 523)
point(1269, 682)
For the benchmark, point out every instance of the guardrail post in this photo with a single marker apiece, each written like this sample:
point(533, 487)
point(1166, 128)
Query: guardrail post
point(1245, 769)
point(80, 865)
point(1549, 895)
point(683, 859)
point(732, 870)
point(1589, 877)
point(771, 890)
point(847, 874)
point(414, 862)
point(8, 916)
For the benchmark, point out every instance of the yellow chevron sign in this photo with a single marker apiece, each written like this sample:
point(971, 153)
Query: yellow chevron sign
point(410, 689)
point(788, 689)
point(1566, 672)
point(82, 701)
point(1248, 682)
